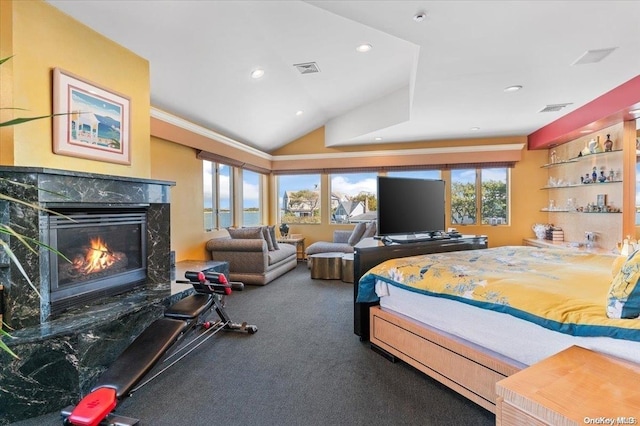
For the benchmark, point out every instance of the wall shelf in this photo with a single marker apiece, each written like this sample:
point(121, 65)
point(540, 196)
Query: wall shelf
point(575, 212)
point(580, 185)
point(578, 159)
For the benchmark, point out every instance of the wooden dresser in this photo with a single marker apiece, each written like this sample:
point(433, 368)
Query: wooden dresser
point(574, 387)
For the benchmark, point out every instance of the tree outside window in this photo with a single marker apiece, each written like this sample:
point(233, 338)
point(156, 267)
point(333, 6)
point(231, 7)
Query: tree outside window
point(494, 196)
point(299, 198)
point(479, 193)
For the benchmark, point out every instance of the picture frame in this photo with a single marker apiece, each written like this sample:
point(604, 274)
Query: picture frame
point(90, 121)
point(601, 200)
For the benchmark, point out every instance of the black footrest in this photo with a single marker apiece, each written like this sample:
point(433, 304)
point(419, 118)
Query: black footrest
point(141, 355)
point(190, 307)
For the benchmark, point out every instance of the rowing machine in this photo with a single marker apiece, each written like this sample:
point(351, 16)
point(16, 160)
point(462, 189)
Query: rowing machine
point(157, 342)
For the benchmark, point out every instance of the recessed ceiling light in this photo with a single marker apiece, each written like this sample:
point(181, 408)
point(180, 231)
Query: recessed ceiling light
point(363, 48)
point(299, 113)
point(586, 131)
point(257, 73)
point(475, 129)
point(420, 16)
point(634, 111)
point(377, 138)
point(512, 88)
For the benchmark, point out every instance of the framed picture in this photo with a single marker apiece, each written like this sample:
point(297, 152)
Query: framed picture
point(94, 122)
point(601, 200)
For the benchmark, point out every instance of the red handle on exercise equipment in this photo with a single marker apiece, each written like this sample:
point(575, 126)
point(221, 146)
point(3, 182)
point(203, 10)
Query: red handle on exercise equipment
point(94, 407)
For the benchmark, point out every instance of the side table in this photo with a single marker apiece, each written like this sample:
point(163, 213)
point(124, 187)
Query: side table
point(326, 266)
point(573, 387)
point(347, 268)
point(298, 241)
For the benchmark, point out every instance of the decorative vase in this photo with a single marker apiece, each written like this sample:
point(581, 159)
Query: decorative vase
point(540, 230)
point(608, 144)
point(284, 230)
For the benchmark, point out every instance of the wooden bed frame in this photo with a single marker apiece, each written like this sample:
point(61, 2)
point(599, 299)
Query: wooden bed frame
point(466, 368)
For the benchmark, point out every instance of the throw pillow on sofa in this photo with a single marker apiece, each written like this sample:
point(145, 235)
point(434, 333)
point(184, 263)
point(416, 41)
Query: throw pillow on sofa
point(274, 239)
point(356, 235)
point(267, 238)
point(245, 233)
point(370, 231)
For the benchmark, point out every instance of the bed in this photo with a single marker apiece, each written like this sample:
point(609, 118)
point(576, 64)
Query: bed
point(469, 319)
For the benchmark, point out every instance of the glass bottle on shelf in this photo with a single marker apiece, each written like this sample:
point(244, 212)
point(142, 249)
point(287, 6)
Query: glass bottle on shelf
point(608, 144)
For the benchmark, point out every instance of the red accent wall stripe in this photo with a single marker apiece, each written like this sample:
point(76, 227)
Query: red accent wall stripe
point(604, 111)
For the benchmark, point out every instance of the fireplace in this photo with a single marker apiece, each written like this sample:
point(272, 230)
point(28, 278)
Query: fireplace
point(62, 354)
point(106, 252)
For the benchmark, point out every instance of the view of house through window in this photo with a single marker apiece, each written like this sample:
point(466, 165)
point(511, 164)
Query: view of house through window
point(299, 198)
point(479, 193)
point(251, 191)
point(218, 195)
point(353, 197)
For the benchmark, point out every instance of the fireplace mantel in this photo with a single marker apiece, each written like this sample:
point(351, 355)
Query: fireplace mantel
point(48, 187)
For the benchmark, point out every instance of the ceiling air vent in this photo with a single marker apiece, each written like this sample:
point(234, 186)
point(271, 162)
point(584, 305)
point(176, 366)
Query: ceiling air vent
point(554, 107)
point(307, 68)
point(593, 56)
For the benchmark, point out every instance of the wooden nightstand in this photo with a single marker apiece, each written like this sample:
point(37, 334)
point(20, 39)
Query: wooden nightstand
point(574, 387)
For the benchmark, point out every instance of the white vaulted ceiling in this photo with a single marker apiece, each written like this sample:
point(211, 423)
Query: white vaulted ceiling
point(440, 78)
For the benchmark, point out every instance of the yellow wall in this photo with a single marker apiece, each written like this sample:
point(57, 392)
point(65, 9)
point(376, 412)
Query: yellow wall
point(178, 163)
point(45, 38)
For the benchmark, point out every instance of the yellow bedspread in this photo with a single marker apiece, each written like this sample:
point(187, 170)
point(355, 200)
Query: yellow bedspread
point(563, 290)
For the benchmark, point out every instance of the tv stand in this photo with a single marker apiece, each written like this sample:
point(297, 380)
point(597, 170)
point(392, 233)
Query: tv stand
point(414, 238)
point(367, 255)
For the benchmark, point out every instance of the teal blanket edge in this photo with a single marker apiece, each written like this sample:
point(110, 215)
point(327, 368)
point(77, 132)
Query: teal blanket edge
point(367, 294)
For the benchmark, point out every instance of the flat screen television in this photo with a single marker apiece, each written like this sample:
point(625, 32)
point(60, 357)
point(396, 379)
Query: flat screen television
point(410, 208)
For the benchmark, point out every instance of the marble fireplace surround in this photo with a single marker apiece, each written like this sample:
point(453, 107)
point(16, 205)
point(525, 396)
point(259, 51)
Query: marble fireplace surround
point(61, 358)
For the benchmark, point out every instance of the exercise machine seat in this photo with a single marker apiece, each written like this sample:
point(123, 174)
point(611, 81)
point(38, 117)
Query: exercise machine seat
point(141, 355)
point(190, 307)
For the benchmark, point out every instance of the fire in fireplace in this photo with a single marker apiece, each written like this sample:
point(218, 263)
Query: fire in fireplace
point(106, 249)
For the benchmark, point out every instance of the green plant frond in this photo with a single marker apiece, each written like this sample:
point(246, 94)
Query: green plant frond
point(4, 347)
point(25, 241)
point(3, 60)
point(29, 186)
point(32, 205)
point(30, 242)
point(17, 263)
point(21, 120)
point(15, 108)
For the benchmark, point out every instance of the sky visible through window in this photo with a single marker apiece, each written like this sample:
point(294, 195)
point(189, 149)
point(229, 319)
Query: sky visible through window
point(251, 191)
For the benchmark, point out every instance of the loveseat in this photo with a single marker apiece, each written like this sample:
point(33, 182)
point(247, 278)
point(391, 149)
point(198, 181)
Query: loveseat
point(343, 240)
point(254, 255)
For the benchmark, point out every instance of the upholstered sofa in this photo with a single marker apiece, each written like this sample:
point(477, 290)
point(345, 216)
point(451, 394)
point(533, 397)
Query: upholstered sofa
point(253, 254)
point(343, 240)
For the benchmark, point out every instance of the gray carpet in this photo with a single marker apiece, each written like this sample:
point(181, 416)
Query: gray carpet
point(304, 366)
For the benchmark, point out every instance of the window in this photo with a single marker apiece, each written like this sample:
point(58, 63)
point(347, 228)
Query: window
point(299, 198)
point(479, 193)
point(494, 196)
point(218, 195)
point(353, 197)
point(251, 196)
